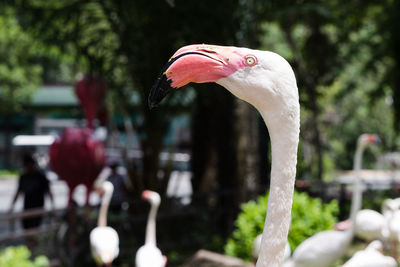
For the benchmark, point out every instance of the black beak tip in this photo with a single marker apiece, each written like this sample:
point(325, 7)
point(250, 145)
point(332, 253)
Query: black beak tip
point(162, 86)
point(160, 89)
point(378, 141)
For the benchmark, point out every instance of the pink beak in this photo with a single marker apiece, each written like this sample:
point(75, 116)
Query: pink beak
point(373, 139)
point(146, 194)
point(195, 63)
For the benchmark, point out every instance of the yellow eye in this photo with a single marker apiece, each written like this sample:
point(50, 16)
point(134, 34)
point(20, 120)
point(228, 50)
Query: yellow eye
point(251, 60)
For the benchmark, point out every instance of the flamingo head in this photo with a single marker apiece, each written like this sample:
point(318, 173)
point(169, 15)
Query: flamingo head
point(258, 77)
point(369, 139)
point(107, 187)
point(151, 196)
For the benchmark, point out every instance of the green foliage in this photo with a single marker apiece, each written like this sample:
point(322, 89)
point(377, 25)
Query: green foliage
point(7, 174)
point(19, 75)
point(309, 216)
point(19, 257)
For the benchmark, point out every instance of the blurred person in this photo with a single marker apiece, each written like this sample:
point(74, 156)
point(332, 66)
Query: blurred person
point(34, 185)
point(121, 187)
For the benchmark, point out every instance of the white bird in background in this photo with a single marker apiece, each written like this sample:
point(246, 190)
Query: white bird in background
point(391, 233)
point(324, 248)
point(369, 225)
point(371, 256)
point(266, 81)
point(104, 240)
point(149, 255)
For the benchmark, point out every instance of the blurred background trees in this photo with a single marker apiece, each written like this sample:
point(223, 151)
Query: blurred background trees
point(345, 58)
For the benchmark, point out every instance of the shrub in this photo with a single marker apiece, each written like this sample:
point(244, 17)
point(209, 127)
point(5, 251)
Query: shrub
point(309, 216)
point(19, 257)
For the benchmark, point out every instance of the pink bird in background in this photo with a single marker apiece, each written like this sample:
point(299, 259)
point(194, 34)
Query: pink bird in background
point(77, 158)
point(91, 92)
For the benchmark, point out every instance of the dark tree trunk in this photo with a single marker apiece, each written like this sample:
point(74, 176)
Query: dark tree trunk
point(395, 47)
point(213, 151)
point(212, 134)
point(202, 141)
point(265, 155)
point(247, 146)
point(246, 126)
point(316, 137)
point(155, 127)
point(309, 84)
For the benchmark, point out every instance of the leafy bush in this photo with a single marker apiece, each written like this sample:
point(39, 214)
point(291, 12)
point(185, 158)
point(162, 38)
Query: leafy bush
point(309, 216)
point(19, 257)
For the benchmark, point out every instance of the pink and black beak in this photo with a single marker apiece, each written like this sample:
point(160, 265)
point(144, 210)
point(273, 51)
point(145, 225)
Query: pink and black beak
point(373, 139)
point(162, 86)
point(195, 63)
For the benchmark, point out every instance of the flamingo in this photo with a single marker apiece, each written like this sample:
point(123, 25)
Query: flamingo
point(371, 256)
point(149, 255)
point(77, 157)
point(104, 241)
point(324, 248)
point(266, 81)
point(369, 225)
point(391, 232)
point(391, 212)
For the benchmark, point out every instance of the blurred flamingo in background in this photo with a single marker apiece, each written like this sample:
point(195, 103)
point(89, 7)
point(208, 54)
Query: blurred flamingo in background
point(104, 241)
point(91, 92)
point(324, 248)
point(77, 157)
point(371, 256)
point(369, 225)
point(391, 232)
point(149, 255)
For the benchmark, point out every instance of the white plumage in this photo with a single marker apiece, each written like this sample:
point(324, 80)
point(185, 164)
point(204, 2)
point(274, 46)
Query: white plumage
point(104, 244)
point(149, 255)
point(371, 257)
point(257, 244)
point(369, 225)
point(391, 212)
point(266, 81)
point(104, 241)
point(321, 250)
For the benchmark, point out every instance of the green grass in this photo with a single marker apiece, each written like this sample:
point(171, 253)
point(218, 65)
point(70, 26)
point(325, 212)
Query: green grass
point(7, 174)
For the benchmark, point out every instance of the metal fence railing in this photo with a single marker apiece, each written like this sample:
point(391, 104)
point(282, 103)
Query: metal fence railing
point(181, 229)
point(12, 232)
